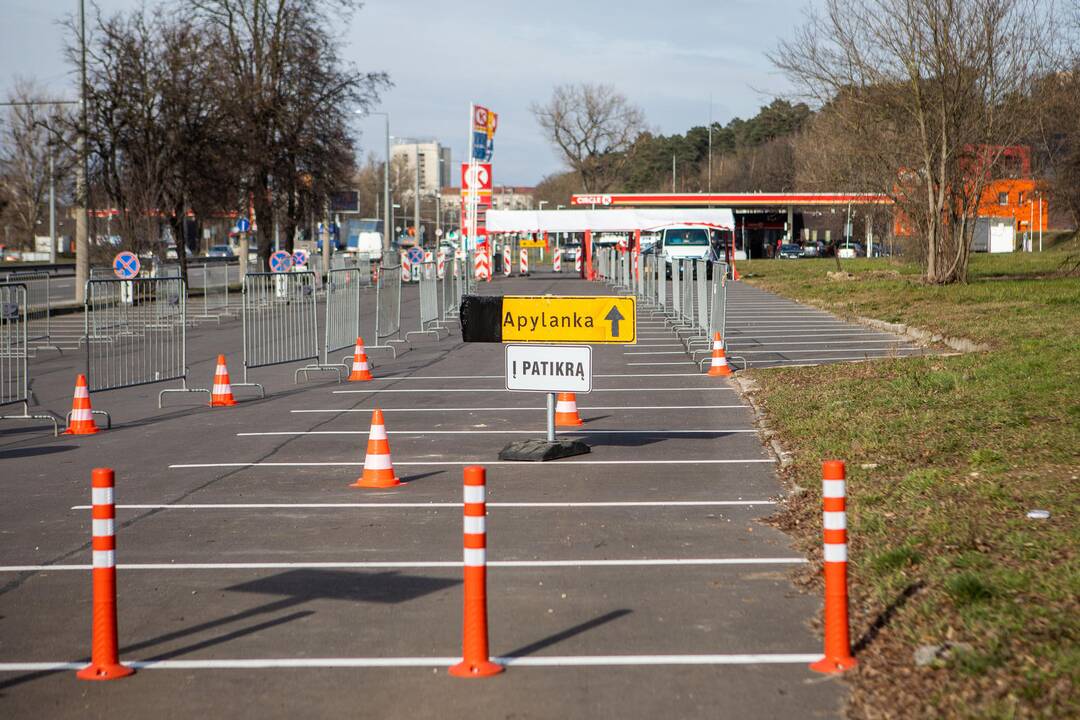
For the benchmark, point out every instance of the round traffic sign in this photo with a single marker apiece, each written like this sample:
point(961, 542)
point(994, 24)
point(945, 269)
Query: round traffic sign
point(415, 254)
point(126, 265)
point(438, 232)
point(280, 262)
point(300, 257)
point(243, 225)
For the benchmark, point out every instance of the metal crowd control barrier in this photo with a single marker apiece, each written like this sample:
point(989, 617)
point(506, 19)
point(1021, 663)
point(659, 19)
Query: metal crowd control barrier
point(343, 260)
point(429, 303)
point(387, 308)
point(363, 264)
point(39, 306)
point(341, 319)
point(215, 291)
point(279, 321)
point(139, 342)
point(14, 353)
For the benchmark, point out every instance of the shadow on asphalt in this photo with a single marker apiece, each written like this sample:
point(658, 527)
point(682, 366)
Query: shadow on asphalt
point(567, 634)
point(420, 476)
point(383, 587)
point(614, 438)
point(32, 451)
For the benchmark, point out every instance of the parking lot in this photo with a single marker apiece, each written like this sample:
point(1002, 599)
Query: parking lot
point(638, 578)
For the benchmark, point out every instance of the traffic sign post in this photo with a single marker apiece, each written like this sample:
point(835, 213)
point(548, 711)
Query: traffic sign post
point(416, 258)
point(281, 262)
point(548, 369)
point(300, 259)
point(126, 266)
point(243, 227)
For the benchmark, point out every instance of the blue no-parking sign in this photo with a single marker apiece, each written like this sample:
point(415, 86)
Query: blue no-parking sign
point(300, 257)
point(280, 262)
point(415, 254)
point(243, 225)
point(126, 265)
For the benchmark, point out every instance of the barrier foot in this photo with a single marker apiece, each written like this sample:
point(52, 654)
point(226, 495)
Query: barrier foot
point(105, 413)
point(161, 395)
point(27, 416)
point(438, 337)
point(391, 348)
point(318, 368)
point(262, 391)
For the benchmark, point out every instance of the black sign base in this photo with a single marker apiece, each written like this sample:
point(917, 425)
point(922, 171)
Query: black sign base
point(542, 450)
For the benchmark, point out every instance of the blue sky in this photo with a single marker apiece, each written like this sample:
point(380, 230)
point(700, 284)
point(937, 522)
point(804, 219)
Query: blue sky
point(668, 58)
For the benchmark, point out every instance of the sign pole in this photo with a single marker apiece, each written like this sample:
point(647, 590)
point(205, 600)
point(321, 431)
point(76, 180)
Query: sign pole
point(551, 417)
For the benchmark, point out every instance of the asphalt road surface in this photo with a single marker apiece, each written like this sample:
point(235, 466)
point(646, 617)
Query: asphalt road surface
point(635, 581)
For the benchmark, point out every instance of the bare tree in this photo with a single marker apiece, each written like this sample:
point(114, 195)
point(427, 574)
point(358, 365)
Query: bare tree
point(592, 126)
point(290, 95)
point(930, 93)
point(31, 132)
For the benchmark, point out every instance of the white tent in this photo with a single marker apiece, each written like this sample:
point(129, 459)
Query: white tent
point(617, 220)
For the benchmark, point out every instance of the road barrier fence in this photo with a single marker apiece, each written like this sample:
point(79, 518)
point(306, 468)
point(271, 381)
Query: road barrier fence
point(429, 302)
point(14, 353)
point(280, 323)
point(387, 309)
point(39, 307)
point(136, 334)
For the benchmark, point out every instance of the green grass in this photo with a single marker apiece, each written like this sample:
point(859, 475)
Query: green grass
point(946, 454)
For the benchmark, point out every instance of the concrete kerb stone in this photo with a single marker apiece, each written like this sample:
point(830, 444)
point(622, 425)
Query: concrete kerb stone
point(746, 387)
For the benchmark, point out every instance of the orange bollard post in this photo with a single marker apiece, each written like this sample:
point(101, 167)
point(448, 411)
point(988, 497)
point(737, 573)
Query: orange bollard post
point(838, 656)
point(104, 645)
point(475, 661)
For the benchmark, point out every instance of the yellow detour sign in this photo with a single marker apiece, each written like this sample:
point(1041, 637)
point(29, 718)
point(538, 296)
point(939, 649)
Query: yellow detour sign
point(569, 319)
point(532, 243)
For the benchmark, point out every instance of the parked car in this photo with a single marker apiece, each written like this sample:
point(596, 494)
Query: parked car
point(170, 252)
point(851, 250)
point(221, 251)
point(790, 251)
point(813, 249)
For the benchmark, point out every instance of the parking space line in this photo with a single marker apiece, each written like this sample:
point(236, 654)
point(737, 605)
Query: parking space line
point(733, 343)
point(425, 505)
point(502, 390)
point(415, 564)
point(485, 431)
point(462, 463)
point(433, 662)
point(787, 351)
point(681, 362)
point(799, 362)
point(530, 409)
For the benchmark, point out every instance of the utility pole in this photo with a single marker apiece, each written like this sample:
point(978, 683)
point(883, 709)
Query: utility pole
point(672, 172)
point(710, 143)
point(52, 205)
point(82, 189)
point(416, 196)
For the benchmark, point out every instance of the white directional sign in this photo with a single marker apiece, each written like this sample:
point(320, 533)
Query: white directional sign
point(549, 368)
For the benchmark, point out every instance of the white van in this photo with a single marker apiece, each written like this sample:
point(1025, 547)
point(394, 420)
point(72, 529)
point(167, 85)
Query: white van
point(695, 243)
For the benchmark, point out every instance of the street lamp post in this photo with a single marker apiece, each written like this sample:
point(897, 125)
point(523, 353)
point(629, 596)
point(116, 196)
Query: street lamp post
point(387, 209)
point(542, 203)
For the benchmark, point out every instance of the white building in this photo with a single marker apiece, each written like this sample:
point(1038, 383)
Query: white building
point(433, 158)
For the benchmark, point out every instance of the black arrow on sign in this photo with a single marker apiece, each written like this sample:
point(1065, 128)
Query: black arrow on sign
point(614, 316)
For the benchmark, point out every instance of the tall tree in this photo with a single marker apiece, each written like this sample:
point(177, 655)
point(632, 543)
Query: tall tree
point(592, 126)
point(31, 132)
point(934, 91)
point(290, 99)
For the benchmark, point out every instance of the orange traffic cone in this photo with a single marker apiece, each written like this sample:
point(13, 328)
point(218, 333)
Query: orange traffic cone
point(360, 369)
point(221, 395)
point(378, 470)
point(566, 414)
point(82, 419)
point(719, 366)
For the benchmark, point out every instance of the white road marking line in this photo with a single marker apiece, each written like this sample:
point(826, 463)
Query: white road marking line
point(786, 351)
point(425, 564)
point(460, 463)
point(704, 388)
point(735, 342)
point(581, 408)
point(425, 505)
point(432, 662)
point(683, 362)
point(809, 362)
point(827, 334)
point(663, 352)
point(484, 431)
point(499, 377)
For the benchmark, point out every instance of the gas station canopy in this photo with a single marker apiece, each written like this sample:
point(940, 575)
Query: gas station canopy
point(621, 220)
